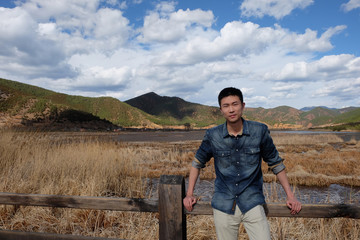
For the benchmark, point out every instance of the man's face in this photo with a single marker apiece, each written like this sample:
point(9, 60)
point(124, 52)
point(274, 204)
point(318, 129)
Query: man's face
point(232, 108)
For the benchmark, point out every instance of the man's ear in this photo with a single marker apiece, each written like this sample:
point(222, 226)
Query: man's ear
point(221, 111)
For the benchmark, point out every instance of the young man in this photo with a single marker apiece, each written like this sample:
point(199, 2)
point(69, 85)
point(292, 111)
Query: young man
point(238, 146)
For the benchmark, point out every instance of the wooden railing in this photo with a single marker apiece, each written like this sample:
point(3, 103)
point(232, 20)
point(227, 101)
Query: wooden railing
point(172, 215)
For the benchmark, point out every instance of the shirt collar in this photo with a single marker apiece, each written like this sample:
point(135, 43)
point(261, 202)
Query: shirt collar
point(245, 130)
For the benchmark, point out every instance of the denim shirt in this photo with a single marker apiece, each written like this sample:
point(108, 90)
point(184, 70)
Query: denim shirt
point(237, 161)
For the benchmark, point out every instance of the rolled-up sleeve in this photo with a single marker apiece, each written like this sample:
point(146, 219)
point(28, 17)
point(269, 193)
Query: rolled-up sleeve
point(197, 164)
point(277, 168)
point(270, 154)
point(203, 154)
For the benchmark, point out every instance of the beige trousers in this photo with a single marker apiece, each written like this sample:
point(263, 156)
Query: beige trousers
point(255, 223)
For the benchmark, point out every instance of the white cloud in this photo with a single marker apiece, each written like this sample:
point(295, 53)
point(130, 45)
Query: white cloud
point(292, 71)
point(281, 87)
point(283, 95)
point(81, 47)
point(256, 100)
point(81, 25)
point(47, 29)
point(165, 8)
point(25, 46)
point(244, 39)
point(308, 42)
point(111, 27)
point(111, 2)
point(100, 78)
point(341, 89)
point(40, 36)
point(285, 90)
point(351, 5)
point(327, 68)
point(165, 25)
point(68, 14)
point(275, 8)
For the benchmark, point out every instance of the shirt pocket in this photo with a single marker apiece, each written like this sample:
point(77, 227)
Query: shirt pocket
point(223, 153)
point(252, 155)
point(223, 157)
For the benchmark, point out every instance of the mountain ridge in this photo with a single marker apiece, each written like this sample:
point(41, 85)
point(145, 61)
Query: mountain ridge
point(174, 109)
point(25, 104)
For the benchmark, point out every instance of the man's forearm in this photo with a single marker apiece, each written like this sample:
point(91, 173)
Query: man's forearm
point(194, 174)
point(190, 200)
point(291, 202)
point(285, 183)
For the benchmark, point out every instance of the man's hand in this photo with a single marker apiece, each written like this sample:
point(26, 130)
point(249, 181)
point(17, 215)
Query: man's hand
point(294, 205)
point(189, 201)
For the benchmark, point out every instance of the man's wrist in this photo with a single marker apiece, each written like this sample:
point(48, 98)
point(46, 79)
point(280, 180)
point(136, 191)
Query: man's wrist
point(291, 196)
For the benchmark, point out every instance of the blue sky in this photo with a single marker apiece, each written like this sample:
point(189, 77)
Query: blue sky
point(278, 52)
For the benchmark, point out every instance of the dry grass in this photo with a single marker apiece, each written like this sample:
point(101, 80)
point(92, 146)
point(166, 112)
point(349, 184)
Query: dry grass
point(92, 165)
point(320, 160)
point(32, 163)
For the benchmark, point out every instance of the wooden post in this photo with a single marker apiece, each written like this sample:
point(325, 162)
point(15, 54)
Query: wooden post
point(172, 219)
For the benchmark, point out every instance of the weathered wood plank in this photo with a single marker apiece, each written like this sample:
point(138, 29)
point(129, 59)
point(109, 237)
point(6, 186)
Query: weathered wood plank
point(172, 219)
point(16, 235)
point(308, 210)
point(147, 205)
point(80, 202)
point(317, 211)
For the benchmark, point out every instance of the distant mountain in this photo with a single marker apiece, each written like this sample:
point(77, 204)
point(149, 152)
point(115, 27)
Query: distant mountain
point(23, 104)
point(282, 114)
point(306, 109)
point(174, 110)
point(163, 106)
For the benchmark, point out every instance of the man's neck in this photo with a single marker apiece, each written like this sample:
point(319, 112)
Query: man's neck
point(235, 128)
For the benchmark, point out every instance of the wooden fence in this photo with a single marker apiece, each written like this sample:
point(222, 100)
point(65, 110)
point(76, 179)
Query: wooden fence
point(172, 215)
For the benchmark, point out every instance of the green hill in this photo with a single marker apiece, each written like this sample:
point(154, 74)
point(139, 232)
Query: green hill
point(36, 104)
point(347, 120)
point(349, 116)
point(319, 116)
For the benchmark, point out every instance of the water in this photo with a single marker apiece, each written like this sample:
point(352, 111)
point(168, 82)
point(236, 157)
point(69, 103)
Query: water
point(334, 194)
point(346, 136)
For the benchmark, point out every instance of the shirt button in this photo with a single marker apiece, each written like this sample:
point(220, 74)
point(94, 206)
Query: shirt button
point(236, 184)
point(238, 174)
point(237, 162)
point(237, 150)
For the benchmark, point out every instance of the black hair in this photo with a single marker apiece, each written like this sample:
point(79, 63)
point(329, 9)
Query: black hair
point(230, 91)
